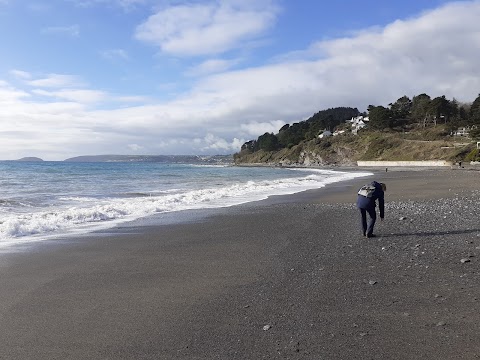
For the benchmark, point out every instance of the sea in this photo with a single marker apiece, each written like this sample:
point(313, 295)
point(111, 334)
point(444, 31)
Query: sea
point(43, 200)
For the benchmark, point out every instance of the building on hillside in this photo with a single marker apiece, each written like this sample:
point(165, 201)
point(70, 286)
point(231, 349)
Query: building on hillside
point(338, 132)
point(464, 131)
point(358, 122)
point(324, 134)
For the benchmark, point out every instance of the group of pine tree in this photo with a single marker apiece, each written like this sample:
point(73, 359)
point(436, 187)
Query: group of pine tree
point(405, 114)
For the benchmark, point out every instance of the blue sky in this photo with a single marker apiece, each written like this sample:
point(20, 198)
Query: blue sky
point(82, 77)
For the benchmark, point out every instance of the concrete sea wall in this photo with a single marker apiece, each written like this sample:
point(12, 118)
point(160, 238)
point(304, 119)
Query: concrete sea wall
point(426, 163)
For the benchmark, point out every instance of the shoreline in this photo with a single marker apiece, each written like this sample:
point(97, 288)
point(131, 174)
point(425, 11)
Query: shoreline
point(200, 210)
point(287, 277)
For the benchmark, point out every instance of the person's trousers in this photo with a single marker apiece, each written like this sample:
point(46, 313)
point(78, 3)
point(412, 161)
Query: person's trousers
point(367, 227)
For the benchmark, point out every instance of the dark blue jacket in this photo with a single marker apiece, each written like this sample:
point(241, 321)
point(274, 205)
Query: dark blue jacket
point(369, 203)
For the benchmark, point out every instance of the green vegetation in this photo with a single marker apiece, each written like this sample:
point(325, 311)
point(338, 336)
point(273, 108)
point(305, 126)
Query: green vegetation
point(420, 128)
point(473, 155)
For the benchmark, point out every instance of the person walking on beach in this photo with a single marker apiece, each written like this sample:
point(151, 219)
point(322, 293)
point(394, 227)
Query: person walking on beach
point(366, 203)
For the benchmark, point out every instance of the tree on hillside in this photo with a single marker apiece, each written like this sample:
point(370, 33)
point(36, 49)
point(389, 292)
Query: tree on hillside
point(292, 135)
point(463, 113)
point(440, 108)
point(267, 142)
point(475, 134)
point(328, 119)
point(249, 146)
point(284, 127)
point(316, 127)
point(402, 107)
point(284, 136)
point(474, 117)
point(380, 117)
point(454, 110)
point(420, 108)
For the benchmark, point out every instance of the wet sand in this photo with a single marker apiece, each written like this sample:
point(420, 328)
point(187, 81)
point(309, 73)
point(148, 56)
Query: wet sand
point(286, 278)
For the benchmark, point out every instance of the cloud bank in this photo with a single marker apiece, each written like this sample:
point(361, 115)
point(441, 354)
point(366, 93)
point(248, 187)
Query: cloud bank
point(207, 28)
point(56, 116)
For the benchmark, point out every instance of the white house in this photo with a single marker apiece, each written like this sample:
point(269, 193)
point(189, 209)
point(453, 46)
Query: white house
point(324, 134)
point(358, 122)
point(461, 132)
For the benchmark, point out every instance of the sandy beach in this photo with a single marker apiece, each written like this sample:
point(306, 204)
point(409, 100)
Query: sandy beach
point(286, 278)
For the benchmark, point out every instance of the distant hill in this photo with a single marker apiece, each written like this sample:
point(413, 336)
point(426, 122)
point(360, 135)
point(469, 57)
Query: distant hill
point(185, 159)
point(30, 158)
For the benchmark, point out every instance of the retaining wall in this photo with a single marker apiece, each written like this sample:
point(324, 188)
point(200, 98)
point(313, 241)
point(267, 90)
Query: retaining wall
point(429, 163)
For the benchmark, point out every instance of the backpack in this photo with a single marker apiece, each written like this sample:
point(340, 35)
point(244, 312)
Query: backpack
point(367, 191)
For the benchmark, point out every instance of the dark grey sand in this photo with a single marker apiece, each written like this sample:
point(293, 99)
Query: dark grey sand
point(287, 278)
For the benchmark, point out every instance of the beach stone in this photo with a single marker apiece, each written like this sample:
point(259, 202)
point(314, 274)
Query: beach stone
point(402, 218)
point(465, 260)
point(441, 323)
point(267, 327)
point(372, 282)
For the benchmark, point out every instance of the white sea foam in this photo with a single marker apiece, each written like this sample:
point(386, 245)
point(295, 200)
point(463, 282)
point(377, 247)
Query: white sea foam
point(89, 213)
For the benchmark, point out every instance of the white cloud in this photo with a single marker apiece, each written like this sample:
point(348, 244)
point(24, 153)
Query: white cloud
point(208, 27)
point(216, 143)
point(135, 147)
point(9, 94)
point(255, 129)
point(57, 81)
point(19, 74)
point(72, 31)
point(436, 53)
point(133, 99)
point(82, 96)
point(128, 4)
point(210, 67)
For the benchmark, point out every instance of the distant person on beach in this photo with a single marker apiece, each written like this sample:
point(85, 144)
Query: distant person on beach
point(366, 203)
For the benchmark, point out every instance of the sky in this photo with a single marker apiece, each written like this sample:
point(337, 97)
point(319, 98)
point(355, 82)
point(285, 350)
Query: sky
point(174, 77)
